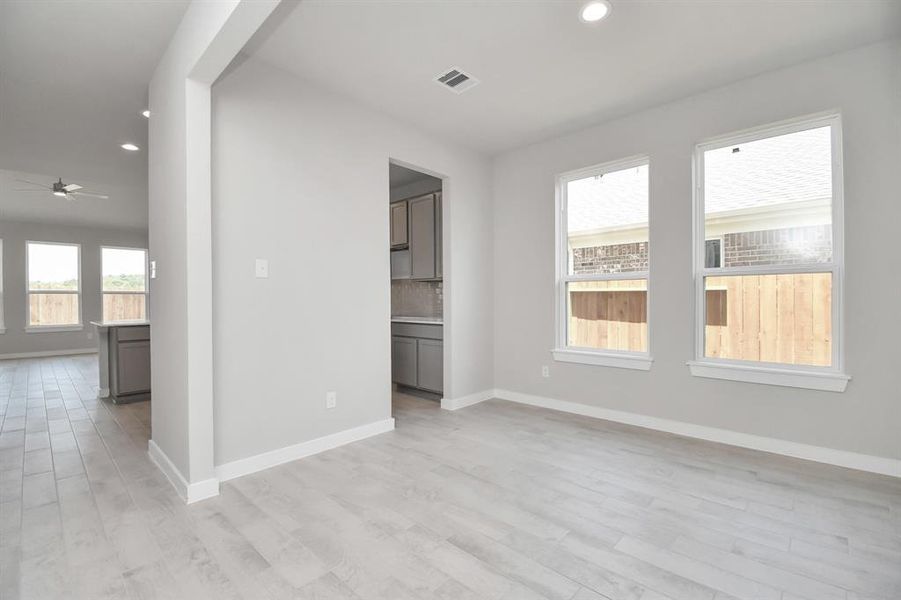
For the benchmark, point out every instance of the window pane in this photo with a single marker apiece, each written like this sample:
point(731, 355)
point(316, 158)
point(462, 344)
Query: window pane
point(52, 267)
point(608, 315)
point(124, 270)
point(607, 222)
point(124, 307)
point(770, 318)
point(771, 200)
point(53, 309)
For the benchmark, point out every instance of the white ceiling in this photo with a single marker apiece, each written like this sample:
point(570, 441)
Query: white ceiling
point(73, 82)
point(126, 207)
point(542, 71)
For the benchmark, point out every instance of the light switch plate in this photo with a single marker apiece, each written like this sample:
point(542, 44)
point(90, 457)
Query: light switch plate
point(262, 268)
point(153, 269)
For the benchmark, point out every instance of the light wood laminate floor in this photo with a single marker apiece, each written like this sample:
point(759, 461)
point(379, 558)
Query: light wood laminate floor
point(496, 501)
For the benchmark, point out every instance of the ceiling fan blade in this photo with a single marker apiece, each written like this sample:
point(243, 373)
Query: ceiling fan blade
point(41, 185)
point(89, 195)
point(41, 191)
point(72, 187)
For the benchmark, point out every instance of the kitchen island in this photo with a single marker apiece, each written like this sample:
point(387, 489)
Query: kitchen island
point(124, 360)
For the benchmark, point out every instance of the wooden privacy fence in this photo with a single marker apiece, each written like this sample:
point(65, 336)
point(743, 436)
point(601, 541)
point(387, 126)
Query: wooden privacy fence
point(53, 309)
point(612, 315)
point(62, 309)
point(123, 307)
point(770, 318)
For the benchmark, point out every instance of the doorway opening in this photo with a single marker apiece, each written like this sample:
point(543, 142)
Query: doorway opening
point(417, 286)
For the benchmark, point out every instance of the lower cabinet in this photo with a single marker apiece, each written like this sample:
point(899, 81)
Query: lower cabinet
point(418, 362)
point(129, 363)
point(403, 361)
point(430, 364)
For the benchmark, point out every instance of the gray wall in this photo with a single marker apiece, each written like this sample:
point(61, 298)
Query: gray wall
point(15, 235)
point(866, 86)
point(300, 177)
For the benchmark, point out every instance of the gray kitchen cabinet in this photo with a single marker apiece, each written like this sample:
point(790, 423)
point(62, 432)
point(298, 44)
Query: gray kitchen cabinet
point(399, 229)
point(430, 365)
point(439, 237)
point(133, 368)
point(422, 237)
point(400, 264)
point(128, 352)
point(416, 238)
point(417, 356)
point(403, 361)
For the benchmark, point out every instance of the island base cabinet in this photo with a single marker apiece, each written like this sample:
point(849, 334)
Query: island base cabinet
point(133, 368)
point(129, 363)
point(430, 365)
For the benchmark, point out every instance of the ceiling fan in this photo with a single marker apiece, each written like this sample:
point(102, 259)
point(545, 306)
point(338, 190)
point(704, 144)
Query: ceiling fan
point(63, 190)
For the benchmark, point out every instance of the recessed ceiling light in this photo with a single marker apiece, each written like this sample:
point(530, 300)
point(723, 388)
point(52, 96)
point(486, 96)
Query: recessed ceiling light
point(130, 147)
point(594, 11)
point(146, 114)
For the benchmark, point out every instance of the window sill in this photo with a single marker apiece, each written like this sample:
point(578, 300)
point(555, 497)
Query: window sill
point(52, 328)
point(812, 380)
point(603, 359)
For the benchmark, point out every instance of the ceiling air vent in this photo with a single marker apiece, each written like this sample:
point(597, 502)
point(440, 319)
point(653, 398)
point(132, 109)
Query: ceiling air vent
point(456, 80)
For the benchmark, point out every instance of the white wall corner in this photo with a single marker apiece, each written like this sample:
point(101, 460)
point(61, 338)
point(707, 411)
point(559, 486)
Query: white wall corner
point(464, 401)
point(189, 492)
point(841, 458)
point(273, 458)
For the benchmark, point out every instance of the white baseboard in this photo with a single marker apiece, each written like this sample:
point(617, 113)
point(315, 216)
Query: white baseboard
point(841, 458)
point(464, 401)
point(267, 460)
point(45, 353)
point(103, 392)
point(189, 492)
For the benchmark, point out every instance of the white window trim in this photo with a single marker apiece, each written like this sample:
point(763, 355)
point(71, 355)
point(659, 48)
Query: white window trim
point(28, 292)
point(52, 328)
point(622, 359)
point(830, 378)
point(145, 293)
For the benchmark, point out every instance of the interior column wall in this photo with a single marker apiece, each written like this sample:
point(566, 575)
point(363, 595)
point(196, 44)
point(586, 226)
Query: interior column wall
point(300, 178)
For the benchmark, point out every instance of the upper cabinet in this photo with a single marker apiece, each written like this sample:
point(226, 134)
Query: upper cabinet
point(422, 237)
point(419, 228)
point(399, 230)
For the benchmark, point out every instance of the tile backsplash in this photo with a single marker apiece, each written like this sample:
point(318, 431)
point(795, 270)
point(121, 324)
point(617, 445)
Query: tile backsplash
point(417, 298)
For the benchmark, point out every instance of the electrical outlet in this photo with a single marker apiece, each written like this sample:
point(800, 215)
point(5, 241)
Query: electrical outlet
point(261, 268)
point(545, 371)
point(331, 399)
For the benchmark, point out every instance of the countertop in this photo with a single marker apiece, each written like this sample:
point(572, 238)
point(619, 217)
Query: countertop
point(419, 320)
point(120, 323)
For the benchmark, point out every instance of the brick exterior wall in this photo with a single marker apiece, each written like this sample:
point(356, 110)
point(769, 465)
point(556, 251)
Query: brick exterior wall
point(616, 258)
point(792, 245)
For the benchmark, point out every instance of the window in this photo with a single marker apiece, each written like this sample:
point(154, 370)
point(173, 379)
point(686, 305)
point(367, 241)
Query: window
point(54, 286)
point(603, 257)
point(769, 296)
point(124, 273)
